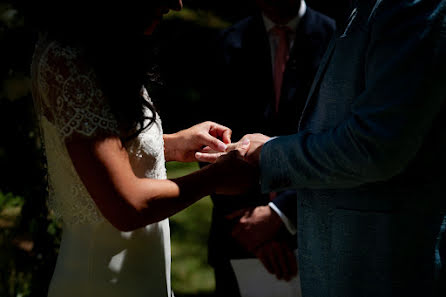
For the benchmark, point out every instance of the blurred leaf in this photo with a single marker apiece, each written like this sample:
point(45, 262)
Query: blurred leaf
point(200, 17)
point(9, 16)
point(16, 87)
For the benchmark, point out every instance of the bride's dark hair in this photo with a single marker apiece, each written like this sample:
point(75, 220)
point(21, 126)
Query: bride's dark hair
point(112, 38)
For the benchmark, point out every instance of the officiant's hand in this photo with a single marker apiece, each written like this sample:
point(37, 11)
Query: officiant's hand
point(183, 145)
point(278, 258)
point(255, 226)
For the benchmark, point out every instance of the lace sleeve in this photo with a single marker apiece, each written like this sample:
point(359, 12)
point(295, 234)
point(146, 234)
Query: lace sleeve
point(70, 96)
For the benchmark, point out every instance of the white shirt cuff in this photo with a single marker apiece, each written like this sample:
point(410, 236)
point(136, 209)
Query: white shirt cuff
point(290, 227)
point(271, 138)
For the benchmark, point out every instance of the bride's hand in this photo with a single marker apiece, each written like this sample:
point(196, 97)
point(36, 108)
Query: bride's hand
point(183, 145)
point(232, 174)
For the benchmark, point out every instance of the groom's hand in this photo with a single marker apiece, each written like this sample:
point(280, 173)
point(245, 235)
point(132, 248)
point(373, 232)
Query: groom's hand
point(257, 141)
point(255, 226)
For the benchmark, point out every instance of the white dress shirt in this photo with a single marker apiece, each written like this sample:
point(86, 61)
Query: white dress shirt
point(292, 24)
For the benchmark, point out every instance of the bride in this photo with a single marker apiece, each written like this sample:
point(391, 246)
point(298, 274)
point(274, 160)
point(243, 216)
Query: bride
point(106, 150)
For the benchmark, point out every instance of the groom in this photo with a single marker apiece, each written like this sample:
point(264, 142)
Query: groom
point(369, 159)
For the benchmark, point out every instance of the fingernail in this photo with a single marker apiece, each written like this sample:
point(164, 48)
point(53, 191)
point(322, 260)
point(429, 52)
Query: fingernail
point(246, 142)
point(222, 147)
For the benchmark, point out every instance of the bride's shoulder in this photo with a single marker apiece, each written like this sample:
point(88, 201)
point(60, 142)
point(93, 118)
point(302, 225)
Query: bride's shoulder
point(67, 91)
point(57, 61)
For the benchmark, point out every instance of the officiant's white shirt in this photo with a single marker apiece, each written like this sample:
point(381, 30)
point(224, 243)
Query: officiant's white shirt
point(273, 43)
point(292, 24)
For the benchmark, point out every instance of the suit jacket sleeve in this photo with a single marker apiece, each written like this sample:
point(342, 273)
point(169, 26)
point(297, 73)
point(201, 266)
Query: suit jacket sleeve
point(286, 202)
point(404, 92)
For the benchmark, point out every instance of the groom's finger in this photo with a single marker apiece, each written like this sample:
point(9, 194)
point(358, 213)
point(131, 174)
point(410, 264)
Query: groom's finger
point(243, 147)
point(207, 157)
point(210, 155)
point(207, 150)
point(229, 147)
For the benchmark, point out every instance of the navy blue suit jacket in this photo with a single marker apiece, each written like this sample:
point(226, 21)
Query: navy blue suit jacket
point(369, 160)
point(245, 103)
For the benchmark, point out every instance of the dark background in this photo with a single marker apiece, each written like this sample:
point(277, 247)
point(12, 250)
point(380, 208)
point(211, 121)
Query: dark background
point(29, 238)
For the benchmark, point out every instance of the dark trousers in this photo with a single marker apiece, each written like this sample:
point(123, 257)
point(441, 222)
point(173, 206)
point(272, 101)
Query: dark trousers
point(225, 281)
point(441, 258)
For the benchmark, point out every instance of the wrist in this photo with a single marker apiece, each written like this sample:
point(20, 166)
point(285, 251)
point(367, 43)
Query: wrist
point(208, 181)
point(284, 219)
point(274, 218)
point(170, 147)
point(211, 173)
point(194, 186)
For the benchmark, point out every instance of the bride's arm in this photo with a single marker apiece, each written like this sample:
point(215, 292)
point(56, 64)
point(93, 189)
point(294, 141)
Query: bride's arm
point(129, 202)
point(183, 145)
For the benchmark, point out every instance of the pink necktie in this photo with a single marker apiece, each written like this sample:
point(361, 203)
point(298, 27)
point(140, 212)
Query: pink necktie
point(272, 196)
point(282, 55)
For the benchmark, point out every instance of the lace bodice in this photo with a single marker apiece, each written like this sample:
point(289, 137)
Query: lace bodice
point(70, 105)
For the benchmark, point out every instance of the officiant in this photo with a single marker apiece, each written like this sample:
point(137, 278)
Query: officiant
point(263, 68)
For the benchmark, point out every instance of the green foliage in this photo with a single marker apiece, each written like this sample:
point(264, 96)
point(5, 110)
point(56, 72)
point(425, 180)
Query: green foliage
point(9, 201)
point(26, 253)
point(200, 17)
point(191, 273)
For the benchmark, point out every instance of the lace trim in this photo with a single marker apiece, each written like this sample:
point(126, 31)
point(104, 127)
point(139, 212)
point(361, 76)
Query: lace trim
point(74, 106)
point(74, 103)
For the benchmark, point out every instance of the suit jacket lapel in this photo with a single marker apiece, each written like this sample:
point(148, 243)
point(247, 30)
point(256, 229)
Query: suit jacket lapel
point(322, 68)
point(318, 77)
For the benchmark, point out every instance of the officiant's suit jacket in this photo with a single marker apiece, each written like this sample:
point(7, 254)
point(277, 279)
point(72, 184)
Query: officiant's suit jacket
point(369, 161)
point(244, 101)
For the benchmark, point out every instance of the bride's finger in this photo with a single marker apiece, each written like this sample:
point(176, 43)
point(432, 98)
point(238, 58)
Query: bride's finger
point(206, 139)
point(227, 136)
point(222, 132)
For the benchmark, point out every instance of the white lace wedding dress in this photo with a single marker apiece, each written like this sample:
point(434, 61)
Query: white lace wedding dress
point(95, 259)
